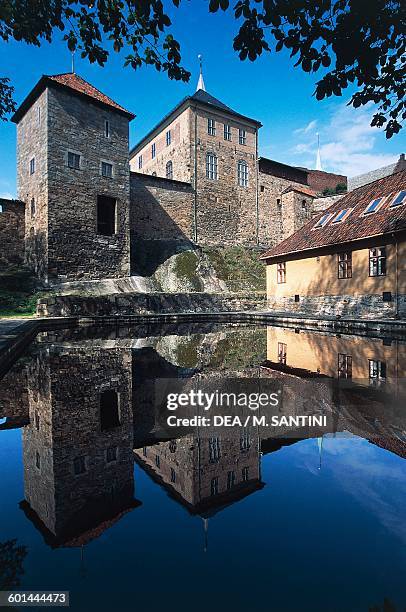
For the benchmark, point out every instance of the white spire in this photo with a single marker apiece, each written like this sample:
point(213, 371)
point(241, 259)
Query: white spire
point(200, 83)
point(318, 158)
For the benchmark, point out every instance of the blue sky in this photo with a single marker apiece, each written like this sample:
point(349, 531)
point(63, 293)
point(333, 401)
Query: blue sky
point(270, 89)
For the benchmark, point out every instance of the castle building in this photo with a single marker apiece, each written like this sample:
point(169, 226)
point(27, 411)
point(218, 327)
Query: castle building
point(347, 260)
point(196, 178)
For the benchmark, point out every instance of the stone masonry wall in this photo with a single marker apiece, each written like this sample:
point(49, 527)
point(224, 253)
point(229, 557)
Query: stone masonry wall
point(12, 230)
point(160, 209)
point(319, 180)
point(365, 306)
point(76, 250)
point(226, 212)
point(146, 303)
point(275, 210)
point(178, 151)
point(32, 144)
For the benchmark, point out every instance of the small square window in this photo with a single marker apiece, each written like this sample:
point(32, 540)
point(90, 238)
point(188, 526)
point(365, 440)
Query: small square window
point(107, 169)
point(79, 465)
point(297, 297)
point(32, 165)
point(387, 296)
point(111, 454)
point(73, 160)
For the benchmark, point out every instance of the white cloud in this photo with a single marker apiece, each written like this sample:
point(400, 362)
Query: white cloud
point(307, 128)
point(348, 143)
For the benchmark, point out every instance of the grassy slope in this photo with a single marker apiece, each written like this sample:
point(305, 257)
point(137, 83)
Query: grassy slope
point(239, 266)
point(18, 293)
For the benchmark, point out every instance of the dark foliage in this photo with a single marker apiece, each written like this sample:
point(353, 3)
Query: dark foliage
point(357, 42)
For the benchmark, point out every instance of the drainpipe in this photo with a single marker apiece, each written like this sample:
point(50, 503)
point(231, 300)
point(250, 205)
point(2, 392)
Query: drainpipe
point(257, 186)
point(195, 185)
point(396, 276)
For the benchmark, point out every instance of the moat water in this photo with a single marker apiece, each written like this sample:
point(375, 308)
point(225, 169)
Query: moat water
point(99, 498)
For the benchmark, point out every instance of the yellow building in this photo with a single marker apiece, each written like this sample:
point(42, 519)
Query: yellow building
point(348, 260)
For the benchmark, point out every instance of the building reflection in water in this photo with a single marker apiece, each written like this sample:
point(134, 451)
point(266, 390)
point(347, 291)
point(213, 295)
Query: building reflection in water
point(87, 406)
point(78, 464)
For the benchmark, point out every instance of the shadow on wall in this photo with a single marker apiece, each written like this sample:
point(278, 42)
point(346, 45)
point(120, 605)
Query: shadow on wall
point(160, 222)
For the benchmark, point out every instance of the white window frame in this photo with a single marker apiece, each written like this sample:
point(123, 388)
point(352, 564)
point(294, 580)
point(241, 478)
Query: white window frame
point(242, 136)
point(211, 126)
point(325, 218)
point(211, 166)
point(346, 211)
point(227, 132)
point(242, 173)
point(392, 205)
point(381, 199)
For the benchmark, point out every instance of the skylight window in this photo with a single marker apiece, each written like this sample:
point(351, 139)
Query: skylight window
point(373, 206)
point(399, 199)
point(323, 221)
point(342, 215)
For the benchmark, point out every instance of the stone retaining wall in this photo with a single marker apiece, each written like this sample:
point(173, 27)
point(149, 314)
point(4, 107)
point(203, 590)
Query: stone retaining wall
point(12, 228)
point(147, 303)
point(364, 306)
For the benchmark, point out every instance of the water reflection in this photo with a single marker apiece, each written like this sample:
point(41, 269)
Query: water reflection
point(86, 400)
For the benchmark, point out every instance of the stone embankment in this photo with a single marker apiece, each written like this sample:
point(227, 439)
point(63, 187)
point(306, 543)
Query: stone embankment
point(149, 303)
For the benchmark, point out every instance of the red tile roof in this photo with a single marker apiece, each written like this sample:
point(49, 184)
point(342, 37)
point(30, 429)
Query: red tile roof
point(75, 84)
point(301, 189)
point(356, 226)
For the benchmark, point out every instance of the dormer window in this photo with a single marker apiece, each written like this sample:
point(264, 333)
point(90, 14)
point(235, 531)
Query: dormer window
point(373, 206)
point(342, 215)
point(323, 221)
point(399, 199)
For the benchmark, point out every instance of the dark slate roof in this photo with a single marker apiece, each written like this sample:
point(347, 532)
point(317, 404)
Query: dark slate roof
point(204, 99)
point(76, 85)
point(357, 226)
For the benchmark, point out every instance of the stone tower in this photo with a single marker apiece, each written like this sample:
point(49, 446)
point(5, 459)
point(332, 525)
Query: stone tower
point(73, 175)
